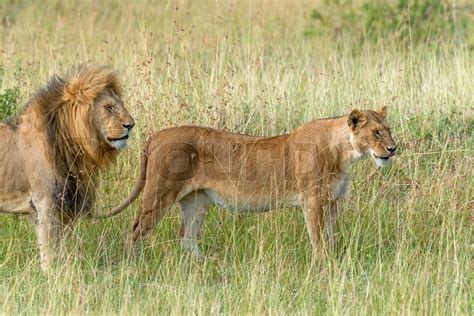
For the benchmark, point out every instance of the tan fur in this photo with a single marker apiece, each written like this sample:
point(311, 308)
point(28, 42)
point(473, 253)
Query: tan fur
point(53, 150)
point(198, 166)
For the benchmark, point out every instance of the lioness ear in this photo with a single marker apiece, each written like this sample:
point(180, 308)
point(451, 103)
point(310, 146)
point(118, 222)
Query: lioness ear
point(383, 111)
point(356, 118)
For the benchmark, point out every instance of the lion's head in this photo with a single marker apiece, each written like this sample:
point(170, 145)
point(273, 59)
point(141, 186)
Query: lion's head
point(371, 135)
point(92, 97)
point(86, 124)
point(111, 120)
point(84, 112)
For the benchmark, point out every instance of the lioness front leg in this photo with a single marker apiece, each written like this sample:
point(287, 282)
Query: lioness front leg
point(314, 217)
point(48, 229)
point(330, 220)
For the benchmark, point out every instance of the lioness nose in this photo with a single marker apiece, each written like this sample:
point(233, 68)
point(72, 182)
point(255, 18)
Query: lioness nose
point(392, 148)
point(129, 126)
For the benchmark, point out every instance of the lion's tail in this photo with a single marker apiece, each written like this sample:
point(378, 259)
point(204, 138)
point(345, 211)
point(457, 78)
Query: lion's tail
point(137, 189)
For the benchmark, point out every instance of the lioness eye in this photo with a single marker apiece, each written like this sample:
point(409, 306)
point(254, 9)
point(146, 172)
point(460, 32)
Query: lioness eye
point(109, 108)
point(377, 133)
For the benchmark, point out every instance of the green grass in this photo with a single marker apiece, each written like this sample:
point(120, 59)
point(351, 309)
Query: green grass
point(405, 241)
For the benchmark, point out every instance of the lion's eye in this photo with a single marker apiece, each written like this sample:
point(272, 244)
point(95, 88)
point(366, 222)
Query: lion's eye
point(110, 108)
point(377, 133)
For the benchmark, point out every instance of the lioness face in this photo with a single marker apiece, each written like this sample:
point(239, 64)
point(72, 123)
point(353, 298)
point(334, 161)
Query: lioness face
point(371, 135)
point(112, 120)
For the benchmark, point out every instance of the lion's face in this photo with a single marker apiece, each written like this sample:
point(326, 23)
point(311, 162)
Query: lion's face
point(112, 120)
point(371, 135)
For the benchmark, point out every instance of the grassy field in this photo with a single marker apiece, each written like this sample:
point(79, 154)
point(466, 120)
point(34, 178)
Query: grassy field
point(405, 241)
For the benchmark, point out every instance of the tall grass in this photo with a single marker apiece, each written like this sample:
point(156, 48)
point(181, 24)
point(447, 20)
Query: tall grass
point(405, 241)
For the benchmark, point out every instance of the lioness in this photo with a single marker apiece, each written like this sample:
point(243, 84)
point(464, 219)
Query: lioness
point(51, 152)
point(198, 166)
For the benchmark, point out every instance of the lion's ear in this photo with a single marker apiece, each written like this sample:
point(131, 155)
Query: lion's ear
point(356, 119)
point(383, 111)
point(74, 92)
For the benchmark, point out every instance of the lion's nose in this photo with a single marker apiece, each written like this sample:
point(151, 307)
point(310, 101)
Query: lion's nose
point(129, 126)
point(392, 148)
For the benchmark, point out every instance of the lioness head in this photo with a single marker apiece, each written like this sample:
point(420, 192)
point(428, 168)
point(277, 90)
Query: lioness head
point(111, 119)
point(371, 135)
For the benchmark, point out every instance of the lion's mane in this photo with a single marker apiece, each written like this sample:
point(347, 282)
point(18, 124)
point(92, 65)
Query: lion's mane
point(64, 107)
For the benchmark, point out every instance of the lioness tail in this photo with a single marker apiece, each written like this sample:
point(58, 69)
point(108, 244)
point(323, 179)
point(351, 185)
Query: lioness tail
point(137, 189)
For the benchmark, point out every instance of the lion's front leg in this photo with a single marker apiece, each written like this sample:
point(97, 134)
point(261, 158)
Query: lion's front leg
point(48, 229)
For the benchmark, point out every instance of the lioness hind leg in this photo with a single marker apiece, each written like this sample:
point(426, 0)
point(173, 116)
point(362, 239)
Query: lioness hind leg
point(194, 207)
point(155, 205)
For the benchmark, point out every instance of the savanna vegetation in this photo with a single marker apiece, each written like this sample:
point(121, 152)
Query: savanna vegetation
point(405, 234)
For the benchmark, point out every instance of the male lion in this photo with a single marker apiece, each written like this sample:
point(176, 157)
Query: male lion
point(198, 166)
point(52, 151)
